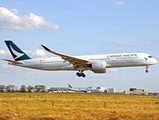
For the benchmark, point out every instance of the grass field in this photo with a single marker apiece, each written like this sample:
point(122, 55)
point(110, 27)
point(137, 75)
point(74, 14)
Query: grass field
point(77, 106)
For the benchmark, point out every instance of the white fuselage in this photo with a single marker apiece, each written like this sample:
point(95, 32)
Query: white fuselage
point(112, 60)
point(88, 89)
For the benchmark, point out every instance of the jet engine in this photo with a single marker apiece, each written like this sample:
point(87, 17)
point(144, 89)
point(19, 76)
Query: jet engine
point(98, 67)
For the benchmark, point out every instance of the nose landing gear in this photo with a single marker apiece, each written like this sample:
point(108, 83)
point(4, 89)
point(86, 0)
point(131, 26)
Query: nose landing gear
point(146, 69)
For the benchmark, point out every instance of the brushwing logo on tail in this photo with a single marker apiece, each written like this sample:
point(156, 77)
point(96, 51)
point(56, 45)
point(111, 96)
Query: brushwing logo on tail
point(16, 53)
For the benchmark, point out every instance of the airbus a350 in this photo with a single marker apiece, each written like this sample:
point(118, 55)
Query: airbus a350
point(95, 63)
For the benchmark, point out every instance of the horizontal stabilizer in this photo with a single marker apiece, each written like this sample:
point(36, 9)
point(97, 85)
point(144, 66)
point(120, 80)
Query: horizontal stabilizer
point(15, 62)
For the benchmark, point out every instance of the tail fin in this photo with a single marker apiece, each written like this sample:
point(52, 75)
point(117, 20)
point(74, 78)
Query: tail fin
point(69, 86)
point(16, 52)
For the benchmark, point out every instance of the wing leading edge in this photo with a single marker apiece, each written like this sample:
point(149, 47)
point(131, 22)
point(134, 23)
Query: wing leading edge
point(77, 62)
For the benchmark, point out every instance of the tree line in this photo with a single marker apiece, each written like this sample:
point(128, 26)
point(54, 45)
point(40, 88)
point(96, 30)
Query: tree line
point(23, 88)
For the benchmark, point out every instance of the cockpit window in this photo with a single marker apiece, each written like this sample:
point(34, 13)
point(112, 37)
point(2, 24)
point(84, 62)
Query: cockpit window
point(150, 57)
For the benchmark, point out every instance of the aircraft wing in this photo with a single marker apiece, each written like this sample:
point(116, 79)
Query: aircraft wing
point(14, 62)
point(77, 62)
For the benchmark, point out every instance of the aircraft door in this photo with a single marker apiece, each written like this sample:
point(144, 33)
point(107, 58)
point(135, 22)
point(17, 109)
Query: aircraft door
point(36, 62)
point(140, 56)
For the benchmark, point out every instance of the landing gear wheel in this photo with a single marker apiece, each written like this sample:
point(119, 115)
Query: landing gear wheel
point(147, 69)
point(83, 75)
point(80, 74)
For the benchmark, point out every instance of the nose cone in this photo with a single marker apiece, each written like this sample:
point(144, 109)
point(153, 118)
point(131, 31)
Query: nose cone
point(155, 61)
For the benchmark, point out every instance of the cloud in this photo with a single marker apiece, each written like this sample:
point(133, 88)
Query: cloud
point(19, 3)
point(5, 36)
point(9, 20)
point(119, 3)
point(39, 52)
point(5, 66)
point(25, 48)
point(2, 52)
point(15, 11)
point(127, 43)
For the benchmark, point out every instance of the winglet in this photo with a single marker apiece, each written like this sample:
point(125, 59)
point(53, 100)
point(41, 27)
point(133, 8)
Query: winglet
point(47, 49)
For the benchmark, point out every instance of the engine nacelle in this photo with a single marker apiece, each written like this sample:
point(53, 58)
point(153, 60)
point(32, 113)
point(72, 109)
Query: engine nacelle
point(99, 67)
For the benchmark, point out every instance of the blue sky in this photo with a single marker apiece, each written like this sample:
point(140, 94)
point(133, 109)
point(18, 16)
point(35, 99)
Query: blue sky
point(77, 27)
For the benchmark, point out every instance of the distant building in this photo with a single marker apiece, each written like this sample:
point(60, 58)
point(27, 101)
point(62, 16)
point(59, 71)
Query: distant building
point(96, 89)
point(5, 89)
point(111, 90)
point(157, 94)
point(136, 91)
point(35, 90)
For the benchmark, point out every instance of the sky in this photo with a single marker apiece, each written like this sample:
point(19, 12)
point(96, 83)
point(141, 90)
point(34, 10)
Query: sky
point(80, 27)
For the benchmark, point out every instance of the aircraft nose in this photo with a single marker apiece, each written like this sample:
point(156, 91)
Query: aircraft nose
point(155, 61)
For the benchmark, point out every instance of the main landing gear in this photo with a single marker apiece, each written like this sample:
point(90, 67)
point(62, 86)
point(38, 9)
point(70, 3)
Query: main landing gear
point(79, 74)
point(146, 69)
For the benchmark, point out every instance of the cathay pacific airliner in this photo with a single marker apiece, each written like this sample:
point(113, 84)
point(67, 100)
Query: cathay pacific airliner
point(95, 63)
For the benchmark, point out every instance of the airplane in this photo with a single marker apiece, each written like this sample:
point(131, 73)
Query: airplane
point(76, 89)
point(95, 63)
point(88, 89)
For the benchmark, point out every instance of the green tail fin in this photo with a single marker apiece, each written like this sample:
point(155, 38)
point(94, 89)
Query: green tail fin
point(16, 52)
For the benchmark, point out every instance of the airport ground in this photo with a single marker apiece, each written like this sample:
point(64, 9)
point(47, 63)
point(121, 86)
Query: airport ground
point(77, 106)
